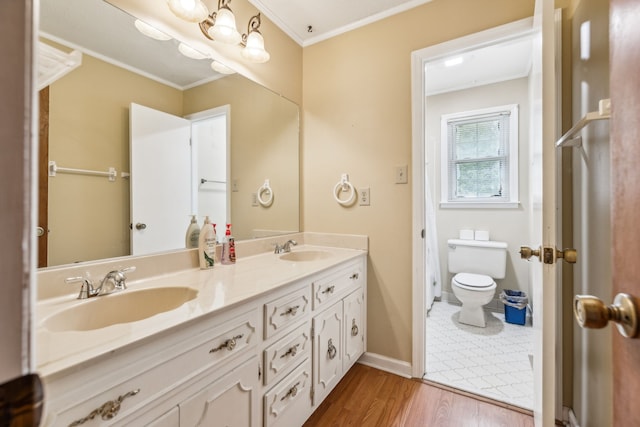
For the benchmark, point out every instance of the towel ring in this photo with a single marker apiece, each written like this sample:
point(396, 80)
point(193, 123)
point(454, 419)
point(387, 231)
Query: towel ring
point(342, 187)
point(266, 188)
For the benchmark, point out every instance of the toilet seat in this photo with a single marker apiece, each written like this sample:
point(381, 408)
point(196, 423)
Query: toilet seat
point(474, 282)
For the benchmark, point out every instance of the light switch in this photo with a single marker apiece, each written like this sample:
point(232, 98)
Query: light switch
point(254, 199)
point(364, 194)
point(401, 174)
point(234, 185)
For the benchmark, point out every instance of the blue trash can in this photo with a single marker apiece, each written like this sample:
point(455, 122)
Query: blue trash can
point(515, 306)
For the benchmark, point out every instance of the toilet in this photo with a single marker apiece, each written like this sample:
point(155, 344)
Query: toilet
point(476, 264)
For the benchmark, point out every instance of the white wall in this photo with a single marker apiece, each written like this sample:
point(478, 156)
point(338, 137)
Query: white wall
point(507, 225)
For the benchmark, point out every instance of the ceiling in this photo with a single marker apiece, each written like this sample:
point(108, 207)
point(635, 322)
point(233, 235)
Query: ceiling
point(328, 18)
point(99, 29)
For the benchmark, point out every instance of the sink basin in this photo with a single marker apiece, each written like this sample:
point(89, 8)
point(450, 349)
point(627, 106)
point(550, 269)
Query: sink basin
point(310, 255)
point(122, 307)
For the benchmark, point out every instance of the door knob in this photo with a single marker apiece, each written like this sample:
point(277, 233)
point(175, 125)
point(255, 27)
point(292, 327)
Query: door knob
point(591, 312)
point(549, 255)
point(526, 253)
point(141, 226)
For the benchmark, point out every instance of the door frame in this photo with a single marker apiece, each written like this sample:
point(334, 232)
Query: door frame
point(418, 60)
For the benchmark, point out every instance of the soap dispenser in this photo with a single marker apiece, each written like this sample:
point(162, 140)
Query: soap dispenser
point(193, 234)
point(228, 247)
point(207, 245)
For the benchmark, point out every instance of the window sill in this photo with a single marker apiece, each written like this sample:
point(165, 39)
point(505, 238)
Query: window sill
point(479, 205)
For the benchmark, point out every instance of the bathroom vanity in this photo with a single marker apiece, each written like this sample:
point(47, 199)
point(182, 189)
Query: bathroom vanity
point(258, 343)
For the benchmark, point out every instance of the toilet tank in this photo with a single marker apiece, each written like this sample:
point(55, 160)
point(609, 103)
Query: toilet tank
point(478, 256)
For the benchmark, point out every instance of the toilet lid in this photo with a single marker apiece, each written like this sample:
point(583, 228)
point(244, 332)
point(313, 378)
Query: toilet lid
point(474, 280)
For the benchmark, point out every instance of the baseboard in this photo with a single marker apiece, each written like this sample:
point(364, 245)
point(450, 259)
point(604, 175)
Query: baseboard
point(387, 364)
point(570, 417)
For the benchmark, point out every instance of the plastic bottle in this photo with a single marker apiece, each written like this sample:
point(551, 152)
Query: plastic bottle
point(192, 238)
point(207, 245)
point(228, 247)
point(215, 233)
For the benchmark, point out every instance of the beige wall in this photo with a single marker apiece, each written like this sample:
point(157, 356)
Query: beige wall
point(357, 119)
point(265, 135)
point(506, 225)
point(89, 129)
point(592, 364)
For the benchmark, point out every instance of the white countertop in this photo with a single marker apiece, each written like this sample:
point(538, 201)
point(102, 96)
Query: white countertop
point(220, 288)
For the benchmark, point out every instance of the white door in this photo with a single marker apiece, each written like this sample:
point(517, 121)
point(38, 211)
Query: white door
point(160, 156)
point(543, 215)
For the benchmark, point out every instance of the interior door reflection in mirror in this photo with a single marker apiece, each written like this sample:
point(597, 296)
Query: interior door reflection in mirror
point(89, 217)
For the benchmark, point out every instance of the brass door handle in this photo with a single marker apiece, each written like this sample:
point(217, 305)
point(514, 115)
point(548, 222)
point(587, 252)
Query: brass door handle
point(549, 255)
point(526, 253)
point(591, 312)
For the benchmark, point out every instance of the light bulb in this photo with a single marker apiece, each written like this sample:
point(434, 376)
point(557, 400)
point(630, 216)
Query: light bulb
point(224, 30)
point(254, 50)
point(189, 10)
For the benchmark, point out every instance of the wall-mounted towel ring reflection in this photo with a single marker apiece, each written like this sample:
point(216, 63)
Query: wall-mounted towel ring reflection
point(344, 186)
point(265, 194)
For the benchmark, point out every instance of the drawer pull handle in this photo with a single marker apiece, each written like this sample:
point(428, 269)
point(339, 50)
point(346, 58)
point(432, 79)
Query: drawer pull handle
point(229, 344)
point(354, 329)
point(107, 411)
point(332, 351)
point(293, 391)
point(354, 276)
point(291, 310)
point(292, 351)
point(329, 290)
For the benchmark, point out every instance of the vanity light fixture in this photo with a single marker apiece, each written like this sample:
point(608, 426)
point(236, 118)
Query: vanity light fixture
point(253, 42)
point(221, 26)
point(189, 10)
point(150, 31)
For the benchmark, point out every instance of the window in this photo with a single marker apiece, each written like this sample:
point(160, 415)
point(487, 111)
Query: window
point(479, 165)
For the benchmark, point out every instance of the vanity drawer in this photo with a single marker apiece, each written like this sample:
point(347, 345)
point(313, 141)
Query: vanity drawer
point(148, 380)
point(285, 311)
point(280, 357)
point(328, 288)
point(289, 402)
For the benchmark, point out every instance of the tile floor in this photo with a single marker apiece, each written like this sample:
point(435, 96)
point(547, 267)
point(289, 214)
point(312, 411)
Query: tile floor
point(492, 361)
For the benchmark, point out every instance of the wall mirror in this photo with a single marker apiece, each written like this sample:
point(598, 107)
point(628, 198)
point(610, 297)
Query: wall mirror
point(85, 124)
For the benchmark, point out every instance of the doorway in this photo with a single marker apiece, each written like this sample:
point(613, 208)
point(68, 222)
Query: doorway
point(449, 352)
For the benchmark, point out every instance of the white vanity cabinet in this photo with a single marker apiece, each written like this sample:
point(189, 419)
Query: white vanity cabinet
point(268, 361)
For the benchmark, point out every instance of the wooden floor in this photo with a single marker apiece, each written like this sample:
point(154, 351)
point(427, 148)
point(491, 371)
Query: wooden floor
point(370, 397)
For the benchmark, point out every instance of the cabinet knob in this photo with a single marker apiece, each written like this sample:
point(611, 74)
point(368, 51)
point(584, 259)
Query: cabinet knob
point(229, 344)
point(291, 310)
point(354, 329)
point(331, 350)
point(293, 391)
point(329, 290)
point(107, 411)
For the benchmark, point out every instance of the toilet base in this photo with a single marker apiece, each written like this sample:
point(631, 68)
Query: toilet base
point(473, 316)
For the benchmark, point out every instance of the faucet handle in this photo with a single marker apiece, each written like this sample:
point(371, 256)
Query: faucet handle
point(278, 249)
point(86, 289)
point(119, 277)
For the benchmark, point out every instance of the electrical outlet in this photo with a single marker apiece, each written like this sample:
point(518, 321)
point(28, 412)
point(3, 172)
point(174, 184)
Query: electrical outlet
point(401, 174)
point(364, 194)
point(254, 199)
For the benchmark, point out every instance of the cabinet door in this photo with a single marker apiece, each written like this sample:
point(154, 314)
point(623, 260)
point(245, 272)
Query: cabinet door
point(353, 328)
point(229, 401)
point(327, 350)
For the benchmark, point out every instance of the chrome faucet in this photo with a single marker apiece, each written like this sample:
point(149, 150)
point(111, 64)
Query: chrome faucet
point(286, 247)
point(114, 280)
